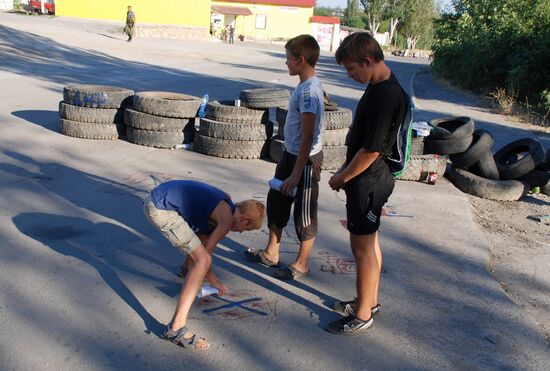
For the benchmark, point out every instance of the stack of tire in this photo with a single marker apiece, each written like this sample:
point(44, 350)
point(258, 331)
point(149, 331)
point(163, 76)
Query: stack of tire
point(94, 111)
point(162, 119)
point(506, 176)
point(230, 131)
point(449, 136)
point(525, 160)
point(337, 122)
point(243, 131)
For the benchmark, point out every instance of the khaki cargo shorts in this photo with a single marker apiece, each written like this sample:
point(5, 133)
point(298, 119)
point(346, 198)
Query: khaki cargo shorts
point(172, 226)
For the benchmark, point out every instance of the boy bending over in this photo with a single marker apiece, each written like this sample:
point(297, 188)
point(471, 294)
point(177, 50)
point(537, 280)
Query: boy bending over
point(194, 217)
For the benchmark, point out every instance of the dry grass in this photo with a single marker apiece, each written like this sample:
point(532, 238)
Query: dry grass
point(509, 105)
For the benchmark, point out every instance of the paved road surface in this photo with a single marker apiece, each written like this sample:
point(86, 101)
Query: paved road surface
point(86, 283)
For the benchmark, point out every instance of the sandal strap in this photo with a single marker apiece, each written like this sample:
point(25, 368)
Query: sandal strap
point(179, 338)
point(293, 270)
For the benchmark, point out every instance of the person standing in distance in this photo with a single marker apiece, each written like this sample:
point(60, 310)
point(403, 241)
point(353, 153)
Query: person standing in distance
point(130, 23)
point(365, 176)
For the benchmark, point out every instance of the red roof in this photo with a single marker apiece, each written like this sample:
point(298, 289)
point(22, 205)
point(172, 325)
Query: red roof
point(236, 10)
point(300, 3)
point(323, 19)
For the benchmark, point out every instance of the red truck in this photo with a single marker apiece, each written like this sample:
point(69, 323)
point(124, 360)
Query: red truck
point(36, 7)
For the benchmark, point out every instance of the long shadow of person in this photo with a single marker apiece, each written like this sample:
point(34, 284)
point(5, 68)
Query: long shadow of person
point(97, 244)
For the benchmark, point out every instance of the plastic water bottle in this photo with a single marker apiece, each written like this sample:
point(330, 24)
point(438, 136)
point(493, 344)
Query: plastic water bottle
point(276, 185)
point(202, 108)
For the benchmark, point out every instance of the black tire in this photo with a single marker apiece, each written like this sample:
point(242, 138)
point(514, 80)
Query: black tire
point(500, 190)
point(486, 167)
point(336, 137)
point(158, 139)
point(451, 127)
point(269, 128)
point(335, 118)
point(333, 157)
point(240, 131)
point(519, 158)
point(547, 157)
point(189, 132)
point(97, 96)
point(262, 98)
point(338, 118)
point(145, 121)
point(87, 130)
point(91, 115)
point(417, 146)
point(482, 143)
point(276, 148)
point(419, 166)
point(446, 146)
point(228, 148)
point(538, 177)
point(167, 104)
point(226, 111)
point(280, 115)
point(264, 93)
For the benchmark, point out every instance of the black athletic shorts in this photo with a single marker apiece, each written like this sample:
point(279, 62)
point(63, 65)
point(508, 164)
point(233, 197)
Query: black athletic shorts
point(365, 196)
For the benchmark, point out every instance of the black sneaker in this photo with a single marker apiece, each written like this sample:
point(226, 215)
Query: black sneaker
point(349, 307)
point(349, 325)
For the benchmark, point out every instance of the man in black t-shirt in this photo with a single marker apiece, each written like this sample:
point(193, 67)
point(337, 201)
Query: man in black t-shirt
point(365, 176)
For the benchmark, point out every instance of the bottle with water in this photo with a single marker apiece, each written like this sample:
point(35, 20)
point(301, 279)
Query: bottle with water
point(276, 185)
point(202, 108)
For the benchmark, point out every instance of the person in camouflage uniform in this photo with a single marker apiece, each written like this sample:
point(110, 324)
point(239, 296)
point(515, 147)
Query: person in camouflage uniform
point(130, 23)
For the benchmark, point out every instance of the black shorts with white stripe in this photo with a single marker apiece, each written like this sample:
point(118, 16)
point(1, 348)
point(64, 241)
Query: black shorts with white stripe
point(305, 202)
point(365, 197)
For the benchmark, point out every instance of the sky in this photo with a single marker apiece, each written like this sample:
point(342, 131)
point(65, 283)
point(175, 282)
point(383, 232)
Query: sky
point(344, 3)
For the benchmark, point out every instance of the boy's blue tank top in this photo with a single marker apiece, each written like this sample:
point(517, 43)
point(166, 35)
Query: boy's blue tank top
point(193, 200)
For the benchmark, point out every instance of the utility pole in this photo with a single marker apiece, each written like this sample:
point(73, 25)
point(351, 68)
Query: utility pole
point(42, 6)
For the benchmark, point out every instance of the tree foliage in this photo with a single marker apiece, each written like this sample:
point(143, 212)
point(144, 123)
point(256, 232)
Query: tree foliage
point(374, 9)
point(418, 21)
point(353, 15)
point(497, 44)
point(323, 11)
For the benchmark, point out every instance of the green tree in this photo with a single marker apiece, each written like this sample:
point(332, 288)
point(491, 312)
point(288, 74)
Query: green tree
point(497, 45)
point(374, 9)
point(418, 21)
point(395, 12)
point(323, 11)
point(352, 15)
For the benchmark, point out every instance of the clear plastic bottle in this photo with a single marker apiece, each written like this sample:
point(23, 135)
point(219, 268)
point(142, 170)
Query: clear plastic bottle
point(276, 185)
point(202, 108)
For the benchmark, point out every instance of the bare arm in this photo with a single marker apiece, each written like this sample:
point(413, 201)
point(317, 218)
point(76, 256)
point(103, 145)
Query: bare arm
point(362, 160)
point(223, 217)
point(308, 125)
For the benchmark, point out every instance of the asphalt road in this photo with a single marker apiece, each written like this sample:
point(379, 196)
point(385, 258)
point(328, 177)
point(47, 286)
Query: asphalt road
point(87, 283)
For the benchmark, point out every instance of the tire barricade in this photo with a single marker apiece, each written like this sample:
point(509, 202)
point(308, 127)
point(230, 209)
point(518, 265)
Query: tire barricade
point(162, 119)
point(236, 132)
point(229, 130)
point(505, 176)
point(337, 123)
point(93, 111)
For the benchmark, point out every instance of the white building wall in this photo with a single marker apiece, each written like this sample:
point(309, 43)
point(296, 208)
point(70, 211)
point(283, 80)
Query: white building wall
point(6, 4)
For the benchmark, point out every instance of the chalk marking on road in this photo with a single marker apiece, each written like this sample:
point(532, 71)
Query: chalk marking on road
point(235, 304)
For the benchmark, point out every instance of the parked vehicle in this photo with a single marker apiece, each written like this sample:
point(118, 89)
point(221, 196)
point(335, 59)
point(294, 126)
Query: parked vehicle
point(36, 7)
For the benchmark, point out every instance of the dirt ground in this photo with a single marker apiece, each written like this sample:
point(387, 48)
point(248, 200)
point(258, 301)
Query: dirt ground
point(520, 251)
